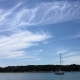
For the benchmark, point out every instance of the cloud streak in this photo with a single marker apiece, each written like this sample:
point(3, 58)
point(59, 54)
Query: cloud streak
point(12, 45)
point(69, 56)
point(12, 21)
point(72, 60)
point(43, 13)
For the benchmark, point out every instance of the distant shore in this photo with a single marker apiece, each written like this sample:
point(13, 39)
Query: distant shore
point(41, 68)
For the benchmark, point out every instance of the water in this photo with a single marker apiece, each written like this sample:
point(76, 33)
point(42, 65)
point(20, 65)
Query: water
point(40, 76)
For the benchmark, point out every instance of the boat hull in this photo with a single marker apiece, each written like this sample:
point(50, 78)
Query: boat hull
point(59, 73)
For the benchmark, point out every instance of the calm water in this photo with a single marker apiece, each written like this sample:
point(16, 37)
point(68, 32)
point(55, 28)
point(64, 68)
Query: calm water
point(40, 76)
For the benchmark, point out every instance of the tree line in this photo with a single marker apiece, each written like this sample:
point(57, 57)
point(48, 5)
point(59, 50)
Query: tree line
point(40, 68)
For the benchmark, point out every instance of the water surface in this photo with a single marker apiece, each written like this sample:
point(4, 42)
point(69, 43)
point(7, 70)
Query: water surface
point(40, 76)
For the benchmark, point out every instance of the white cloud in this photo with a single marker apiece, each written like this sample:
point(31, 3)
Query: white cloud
point(69, 56)
point(24, 39)
point(49, 13)
point(72, 60)
point(43, 13)
point(66, 52)
point(11, 54)
point(13, 20)
point(61, 51)
point(5, 13)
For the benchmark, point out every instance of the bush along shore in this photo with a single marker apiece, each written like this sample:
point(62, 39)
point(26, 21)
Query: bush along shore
point(40, 68)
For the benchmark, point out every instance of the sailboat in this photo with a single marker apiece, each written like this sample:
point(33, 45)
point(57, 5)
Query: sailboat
point(60, 72)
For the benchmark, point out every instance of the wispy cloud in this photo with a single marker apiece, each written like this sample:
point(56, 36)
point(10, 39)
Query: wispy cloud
point(12, 21)
point(77, 35)
point(62, 51)
point(69, 56)
point(43, 13)
point(12, 44)
point(72, 60)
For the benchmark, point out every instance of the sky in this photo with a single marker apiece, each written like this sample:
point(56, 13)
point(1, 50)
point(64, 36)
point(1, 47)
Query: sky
point(35, 32)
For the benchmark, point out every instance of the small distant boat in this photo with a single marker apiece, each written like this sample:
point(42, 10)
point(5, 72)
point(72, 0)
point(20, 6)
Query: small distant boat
point(60, 72)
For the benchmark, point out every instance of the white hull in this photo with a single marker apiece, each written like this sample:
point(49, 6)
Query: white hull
point(59, 73)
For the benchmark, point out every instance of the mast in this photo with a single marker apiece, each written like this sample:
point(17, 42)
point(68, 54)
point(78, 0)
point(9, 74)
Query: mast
point(60, 72)
point(60, 58)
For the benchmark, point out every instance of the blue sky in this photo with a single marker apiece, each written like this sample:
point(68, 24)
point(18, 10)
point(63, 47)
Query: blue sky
point(34, 32)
